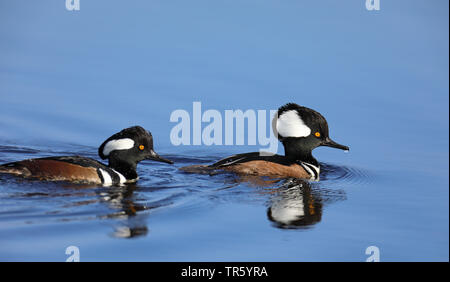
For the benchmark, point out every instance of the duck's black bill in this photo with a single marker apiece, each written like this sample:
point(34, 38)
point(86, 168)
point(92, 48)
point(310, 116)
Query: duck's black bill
point(330, 143)
point(155, 157)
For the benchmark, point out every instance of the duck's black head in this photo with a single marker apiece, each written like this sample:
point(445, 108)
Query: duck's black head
point(125, 149)
point(301, 130)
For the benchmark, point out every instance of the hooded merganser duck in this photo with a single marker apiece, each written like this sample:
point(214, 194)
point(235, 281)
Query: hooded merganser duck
point(124, 150)
point(300, 130)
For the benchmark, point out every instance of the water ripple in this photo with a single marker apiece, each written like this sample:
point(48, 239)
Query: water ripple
point(291, 203)
point(344, 174)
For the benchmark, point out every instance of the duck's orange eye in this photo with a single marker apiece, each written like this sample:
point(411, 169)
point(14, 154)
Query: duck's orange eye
point(141, 147)
point(317, 134)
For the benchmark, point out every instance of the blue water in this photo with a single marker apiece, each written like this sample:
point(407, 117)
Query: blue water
point(70, 79)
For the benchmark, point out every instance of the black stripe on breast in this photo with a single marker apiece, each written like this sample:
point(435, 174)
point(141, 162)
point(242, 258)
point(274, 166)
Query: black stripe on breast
point(115, 178)
point(100, 175)
point(312, 168)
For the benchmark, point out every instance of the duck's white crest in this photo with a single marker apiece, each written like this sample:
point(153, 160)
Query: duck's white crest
point(290, 124)
point(119, 144)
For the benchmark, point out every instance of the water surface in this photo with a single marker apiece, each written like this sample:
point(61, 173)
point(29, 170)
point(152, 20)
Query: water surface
point(69, 80)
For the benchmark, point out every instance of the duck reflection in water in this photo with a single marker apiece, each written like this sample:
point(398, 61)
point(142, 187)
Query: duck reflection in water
point(294, 203)
point(129, 221)
point(132, 222)
point(123, 207)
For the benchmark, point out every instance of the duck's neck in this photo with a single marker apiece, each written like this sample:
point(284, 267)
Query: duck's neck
point(297, 153)
point(125, 168)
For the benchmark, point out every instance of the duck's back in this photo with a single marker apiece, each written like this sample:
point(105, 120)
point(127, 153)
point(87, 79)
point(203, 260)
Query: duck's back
point(65, 168)
point(254, 164)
